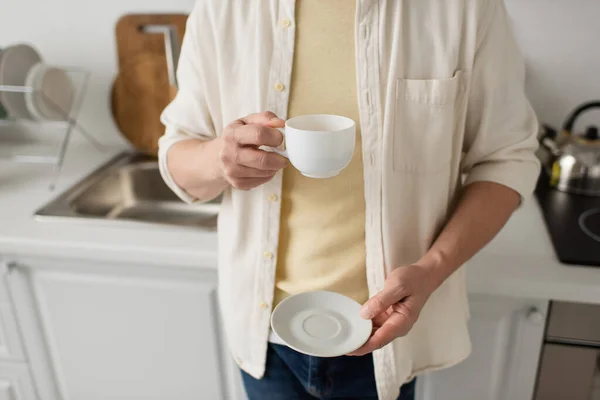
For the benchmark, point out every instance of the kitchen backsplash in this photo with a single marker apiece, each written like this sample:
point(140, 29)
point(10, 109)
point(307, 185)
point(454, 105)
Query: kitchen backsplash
point(559, 39)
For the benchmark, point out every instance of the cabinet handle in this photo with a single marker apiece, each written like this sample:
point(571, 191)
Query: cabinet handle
point(535, 316)
point(7, 267)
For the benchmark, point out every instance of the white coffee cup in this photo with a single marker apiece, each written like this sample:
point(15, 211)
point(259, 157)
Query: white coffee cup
point(319, 145)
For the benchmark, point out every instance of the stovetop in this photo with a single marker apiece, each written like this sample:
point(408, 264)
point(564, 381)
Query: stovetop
point(573, 222)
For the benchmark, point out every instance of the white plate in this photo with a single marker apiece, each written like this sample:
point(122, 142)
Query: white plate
point(15, 63)
point(53, 93)
point(321, 324)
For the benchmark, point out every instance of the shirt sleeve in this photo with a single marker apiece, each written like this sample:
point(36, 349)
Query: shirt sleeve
point(501, 127)
point(187, 116)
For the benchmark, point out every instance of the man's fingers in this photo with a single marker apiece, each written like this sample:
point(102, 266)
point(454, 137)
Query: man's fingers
point(257, 135)
point(260, 159)
point(242, 171)
point(266, 118)
point(256, 130)
point(396, 325)
point(375, 342)
point(391, 294)
point(380, 319)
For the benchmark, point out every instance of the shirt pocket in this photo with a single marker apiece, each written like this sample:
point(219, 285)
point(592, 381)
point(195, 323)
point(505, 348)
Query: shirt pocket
point(425, 122)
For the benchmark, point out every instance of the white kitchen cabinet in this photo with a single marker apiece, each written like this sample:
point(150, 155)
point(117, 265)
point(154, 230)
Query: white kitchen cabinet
point(99, 332)
point(507, 336)
point(15, 382)
point(10, 343)
point(110, 332)
point(15, 377)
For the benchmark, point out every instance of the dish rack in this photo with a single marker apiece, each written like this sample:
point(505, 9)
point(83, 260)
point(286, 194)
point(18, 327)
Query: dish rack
point(42, 139)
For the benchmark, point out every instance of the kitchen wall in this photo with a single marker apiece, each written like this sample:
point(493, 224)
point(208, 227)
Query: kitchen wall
point(80, 33)
point(559, 39)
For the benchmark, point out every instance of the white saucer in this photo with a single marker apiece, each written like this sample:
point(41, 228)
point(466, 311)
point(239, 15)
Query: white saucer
point(321, 324)
point(15, 63)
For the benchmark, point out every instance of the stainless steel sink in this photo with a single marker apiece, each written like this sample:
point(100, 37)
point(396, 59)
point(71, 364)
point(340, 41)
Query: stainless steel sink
point(129, 188)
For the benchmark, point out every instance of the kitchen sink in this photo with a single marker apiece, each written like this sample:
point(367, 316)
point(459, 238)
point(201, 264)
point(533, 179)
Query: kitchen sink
point(129, 188)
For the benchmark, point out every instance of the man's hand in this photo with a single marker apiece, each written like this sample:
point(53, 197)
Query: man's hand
point(396, 308)
point(482, 211)
point(243, 165)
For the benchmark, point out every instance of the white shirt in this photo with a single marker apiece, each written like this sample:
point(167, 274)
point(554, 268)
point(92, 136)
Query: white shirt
point(441, 94)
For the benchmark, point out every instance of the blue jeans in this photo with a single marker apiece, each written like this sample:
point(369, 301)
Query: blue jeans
point(291, 375)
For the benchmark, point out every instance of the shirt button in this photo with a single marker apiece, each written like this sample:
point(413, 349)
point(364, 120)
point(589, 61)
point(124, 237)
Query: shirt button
point(272, 198)
point(279, 87)
point(264, 305)
point(286, 23)
point(268, 255)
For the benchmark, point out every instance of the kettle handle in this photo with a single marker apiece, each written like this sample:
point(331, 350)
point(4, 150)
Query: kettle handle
point(570, 121)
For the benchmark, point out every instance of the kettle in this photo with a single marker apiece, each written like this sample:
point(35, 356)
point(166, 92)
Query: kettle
point(573, 161)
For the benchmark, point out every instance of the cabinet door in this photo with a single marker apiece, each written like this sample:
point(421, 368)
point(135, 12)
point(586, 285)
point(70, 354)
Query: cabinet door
point(122, 333)
point(507, 335)
point(10, 344)
point(15, 382)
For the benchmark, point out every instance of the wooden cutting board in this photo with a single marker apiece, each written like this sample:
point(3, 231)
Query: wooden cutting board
point(140, 93)
point(141, 89)
point(131, 41)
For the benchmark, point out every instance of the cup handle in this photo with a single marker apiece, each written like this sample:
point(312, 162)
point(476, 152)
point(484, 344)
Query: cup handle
point(278, 151)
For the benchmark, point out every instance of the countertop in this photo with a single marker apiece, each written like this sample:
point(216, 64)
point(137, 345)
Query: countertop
point(24, 188)
point(519, 262)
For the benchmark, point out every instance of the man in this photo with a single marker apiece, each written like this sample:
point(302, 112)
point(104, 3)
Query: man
point(444, 155)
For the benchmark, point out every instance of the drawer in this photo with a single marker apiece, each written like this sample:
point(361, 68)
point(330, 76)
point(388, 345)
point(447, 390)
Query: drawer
point(574, 323)
point(11, 348)
point(568, 373)
point(16, 382)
